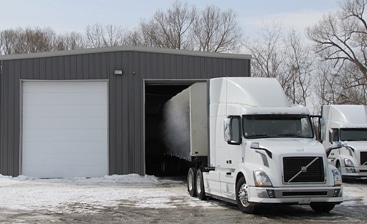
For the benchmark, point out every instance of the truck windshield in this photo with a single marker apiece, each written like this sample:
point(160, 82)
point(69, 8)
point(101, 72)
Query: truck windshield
point(277, 126)
point(353, 134)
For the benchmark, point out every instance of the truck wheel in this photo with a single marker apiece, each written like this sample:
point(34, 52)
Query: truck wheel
point(191, 182)
point(322, 207)
point(200, 190)
point(242, 197)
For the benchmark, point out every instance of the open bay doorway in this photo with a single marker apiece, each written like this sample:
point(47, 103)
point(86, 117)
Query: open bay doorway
point(157, 161)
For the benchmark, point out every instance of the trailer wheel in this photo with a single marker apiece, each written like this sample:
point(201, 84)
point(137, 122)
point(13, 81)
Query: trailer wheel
point(191, 182)
point(200, 190)
point(322, 207)
point(242, 197)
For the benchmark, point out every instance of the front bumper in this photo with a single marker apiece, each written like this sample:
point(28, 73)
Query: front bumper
point(296, 195)
point(354, 171)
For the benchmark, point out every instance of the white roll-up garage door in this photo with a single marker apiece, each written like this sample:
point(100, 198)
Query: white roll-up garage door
point(64, 129)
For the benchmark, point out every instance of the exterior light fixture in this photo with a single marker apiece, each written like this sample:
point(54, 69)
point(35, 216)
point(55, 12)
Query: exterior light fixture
point(118, 72)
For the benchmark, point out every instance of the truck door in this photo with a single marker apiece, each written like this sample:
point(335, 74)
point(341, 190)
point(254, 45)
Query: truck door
point(233, 155)
point(234, 140)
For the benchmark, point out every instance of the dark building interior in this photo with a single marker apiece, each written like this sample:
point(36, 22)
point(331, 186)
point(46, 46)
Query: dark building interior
point(157, 162)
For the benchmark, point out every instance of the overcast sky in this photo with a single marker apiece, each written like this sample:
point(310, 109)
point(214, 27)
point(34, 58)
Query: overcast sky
point(65, 16)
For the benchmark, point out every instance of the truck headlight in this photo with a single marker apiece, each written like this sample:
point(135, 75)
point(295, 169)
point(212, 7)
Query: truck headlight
point(337, 177)
point(261, 179)
point(348, 163)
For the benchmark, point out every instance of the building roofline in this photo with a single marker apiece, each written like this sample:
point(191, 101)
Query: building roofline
point(124, 48)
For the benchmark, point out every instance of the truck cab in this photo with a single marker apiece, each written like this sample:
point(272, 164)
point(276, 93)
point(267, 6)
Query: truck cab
point(263, 149)
point(249, 146)
point(344, 136)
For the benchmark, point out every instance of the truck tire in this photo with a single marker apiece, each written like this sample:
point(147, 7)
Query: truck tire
point(191, 182)
point(242, 197)
point(322, 207)
point(200, 190)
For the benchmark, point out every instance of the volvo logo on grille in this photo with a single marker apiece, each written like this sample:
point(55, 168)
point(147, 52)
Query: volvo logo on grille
point(304, 169)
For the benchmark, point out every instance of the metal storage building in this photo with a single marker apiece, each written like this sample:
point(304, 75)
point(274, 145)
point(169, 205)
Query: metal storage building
point(94, 112)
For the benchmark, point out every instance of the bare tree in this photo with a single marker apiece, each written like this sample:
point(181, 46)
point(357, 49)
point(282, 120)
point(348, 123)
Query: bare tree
point(326, 83)
point(284, 57)
point(70, 41)
point(183, 27)
point(216, 31)
point(266, 57)
point(170, 29)
point(8, 41)
point(341, 38)
point(134, 38)
point(105, 36)
point(27, 40)
point(32, 40)
point(180, 27)
point(298, 65)
point(353, 89)
point(333, 86)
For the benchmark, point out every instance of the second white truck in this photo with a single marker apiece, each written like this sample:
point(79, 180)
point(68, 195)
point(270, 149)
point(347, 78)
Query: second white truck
point(248, 145)
point(346, 126)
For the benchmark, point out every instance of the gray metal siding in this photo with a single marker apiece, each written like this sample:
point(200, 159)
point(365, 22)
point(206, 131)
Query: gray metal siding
point(9, 153)
point(126, 95)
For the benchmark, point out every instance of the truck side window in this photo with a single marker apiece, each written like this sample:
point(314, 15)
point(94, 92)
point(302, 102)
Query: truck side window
point(333, 135)
point(232, 130)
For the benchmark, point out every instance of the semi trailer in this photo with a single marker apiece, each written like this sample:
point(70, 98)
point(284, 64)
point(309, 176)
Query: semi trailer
point(249, 146)
point(345, 126)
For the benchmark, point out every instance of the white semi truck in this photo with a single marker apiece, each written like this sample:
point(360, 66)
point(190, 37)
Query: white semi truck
point(249, 145)
point(346, 126)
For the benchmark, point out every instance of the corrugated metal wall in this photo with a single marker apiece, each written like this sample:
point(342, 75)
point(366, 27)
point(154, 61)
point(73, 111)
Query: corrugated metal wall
point(126, 94)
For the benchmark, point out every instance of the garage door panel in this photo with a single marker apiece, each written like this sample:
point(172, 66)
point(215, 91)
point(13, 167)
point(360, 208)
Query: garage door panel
point(65, 159)
point(64, 110)
point(60, 172)
point(49, 161)
point(54, 86)
point(65, 123)
point(62, 98)
point(65, 148)
point(65, 130)
point(65, 135)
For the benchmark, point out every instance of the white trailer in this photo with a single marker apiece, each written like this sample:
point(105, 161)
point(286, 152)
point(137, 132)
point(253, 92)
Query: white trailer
point(250, 146)
point(346, 126)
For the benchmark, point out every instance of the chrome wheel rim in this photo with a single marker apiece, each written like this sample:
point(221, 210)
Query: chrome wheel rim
point(243, 195)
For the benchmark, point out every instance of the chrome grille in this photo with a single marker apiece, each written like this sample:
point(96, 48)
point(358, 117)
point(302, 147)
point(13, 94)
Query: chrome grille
point(303, 169)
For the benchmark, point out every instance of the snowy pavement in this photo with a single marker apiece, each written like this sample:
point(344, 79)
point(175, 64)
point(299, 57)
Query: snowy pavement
point(126, 194)
point(91, 194)
point(55, 194)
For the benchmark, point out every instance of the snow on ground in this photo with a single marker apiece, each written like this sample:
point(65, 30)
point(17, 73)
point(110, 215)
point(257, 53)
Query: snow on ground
point(92, 194)
point(354, 194)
